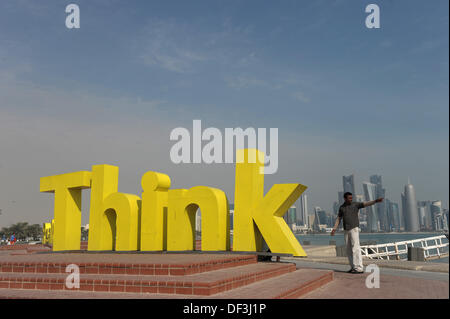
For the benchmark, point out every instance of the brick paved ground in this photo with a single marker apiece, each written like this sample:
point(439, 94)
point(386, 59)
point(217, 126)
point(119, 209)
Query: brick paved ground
point(288, 286)
point(344, 286)
point(395, 264)
point(241, 273)
point(352, 286)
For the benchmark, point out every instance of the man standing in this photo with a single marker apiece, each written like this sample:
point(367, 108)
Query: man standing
point(349, 212)
point(13, 239)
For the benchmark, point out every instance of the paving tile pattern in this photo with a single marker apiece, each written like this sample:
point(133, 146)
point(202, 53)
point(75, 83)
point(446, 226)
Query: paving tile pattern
point(353, 286)
point(288, 286)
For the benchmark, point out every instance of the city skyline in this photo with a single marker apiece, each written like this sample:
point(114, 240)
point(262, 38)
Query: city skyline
point(414, 215)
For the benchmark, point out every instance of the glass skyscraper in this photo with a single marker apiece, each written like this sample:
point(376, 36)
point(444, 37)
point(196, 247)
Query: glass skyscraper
point(427, 222)
point(322, 215)
point(372, 218)
point(340, 198)
point(394, 215)
point(302, 211)
point(411, 213)
point(436, 214)
point(403, 212)
point(380, 207)
point(290, 216)
point(349, 184)
point(422, 217)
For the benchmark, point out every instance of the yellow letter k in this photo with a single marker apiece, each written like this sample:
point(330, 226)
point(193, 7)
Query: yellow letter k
point(257, 216)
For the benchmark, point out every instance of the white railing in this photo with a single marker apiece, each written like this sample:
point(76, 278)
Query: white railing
point(433, 247)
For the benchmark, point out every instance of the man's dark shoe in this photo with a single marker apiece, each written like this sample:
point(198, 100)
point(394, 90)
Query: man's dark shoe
point(357, 271)
point(351, 270)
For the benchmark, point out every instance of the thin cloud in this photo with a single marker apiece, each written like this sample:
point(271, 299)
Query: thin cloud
point(182, 48)
point(300, 96)
point(165, 50)
point(426, 46)
point(244, 82)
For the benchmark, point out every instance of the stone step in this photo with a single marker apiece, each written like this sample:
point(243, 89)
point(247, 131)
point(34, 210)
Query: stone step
point(24, 247)
point(207, 283)
point(123, 263)
point(288, 286)
point(66, 294)
point(291, 285)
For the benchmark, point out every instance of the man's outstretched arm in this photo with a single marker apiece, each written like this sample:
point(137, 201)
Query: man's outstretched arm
point(372, 202)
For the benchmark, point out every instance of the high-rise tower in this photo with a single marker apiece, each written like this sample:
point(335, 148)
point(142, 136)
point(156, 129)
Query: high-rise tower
point(410, 209)
point(372, 218)
point(340, 198)
point(394, 214)
point(426, 206)
point(348, 183)
point(302, 210)
point(436, 214)
point(380, 207)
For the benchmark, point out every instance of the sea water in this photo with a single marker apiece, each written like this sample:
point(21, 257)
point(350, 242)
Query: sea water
point(379, 238)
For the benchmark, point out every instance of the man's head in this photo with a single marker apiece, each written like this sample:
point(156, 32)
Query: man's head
point(348, 197)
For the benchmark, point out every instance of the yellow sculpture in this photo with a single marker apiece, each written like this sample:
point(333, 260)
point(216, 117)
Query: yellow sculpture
point(67, 189)
point(257, 216)
point(154, 211)
point(114, 216)
point(165, 218)
point(52, 231)
point(183, 205)
point(46, 233)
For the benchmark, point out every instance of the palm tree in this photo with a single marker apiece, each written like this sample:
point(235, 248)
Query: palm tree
point(84, 233)
point(22, 231)
point(19, 229)
point(34, 231)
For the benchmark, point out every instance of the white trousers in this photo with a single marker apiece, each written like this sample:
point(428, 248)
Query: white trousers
point(353, 250)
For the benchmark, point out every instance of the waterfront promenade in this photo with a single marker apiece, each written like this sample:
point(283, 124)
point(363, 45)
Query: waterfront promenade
point(327, 254)
point(36, 272)
point(398, 279)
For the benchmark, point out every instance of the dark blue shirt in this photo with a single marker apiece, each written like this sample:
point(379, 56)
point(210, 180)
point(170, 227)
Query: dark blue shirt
point(350, 214)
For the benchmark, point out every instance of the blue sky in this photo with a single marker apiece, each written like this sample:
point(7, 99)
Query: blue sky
point(346, 99)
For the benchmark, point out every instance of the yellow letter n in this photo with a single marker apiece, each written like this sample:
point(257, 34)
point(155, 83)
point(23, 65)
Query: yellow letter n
point(215, 228)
